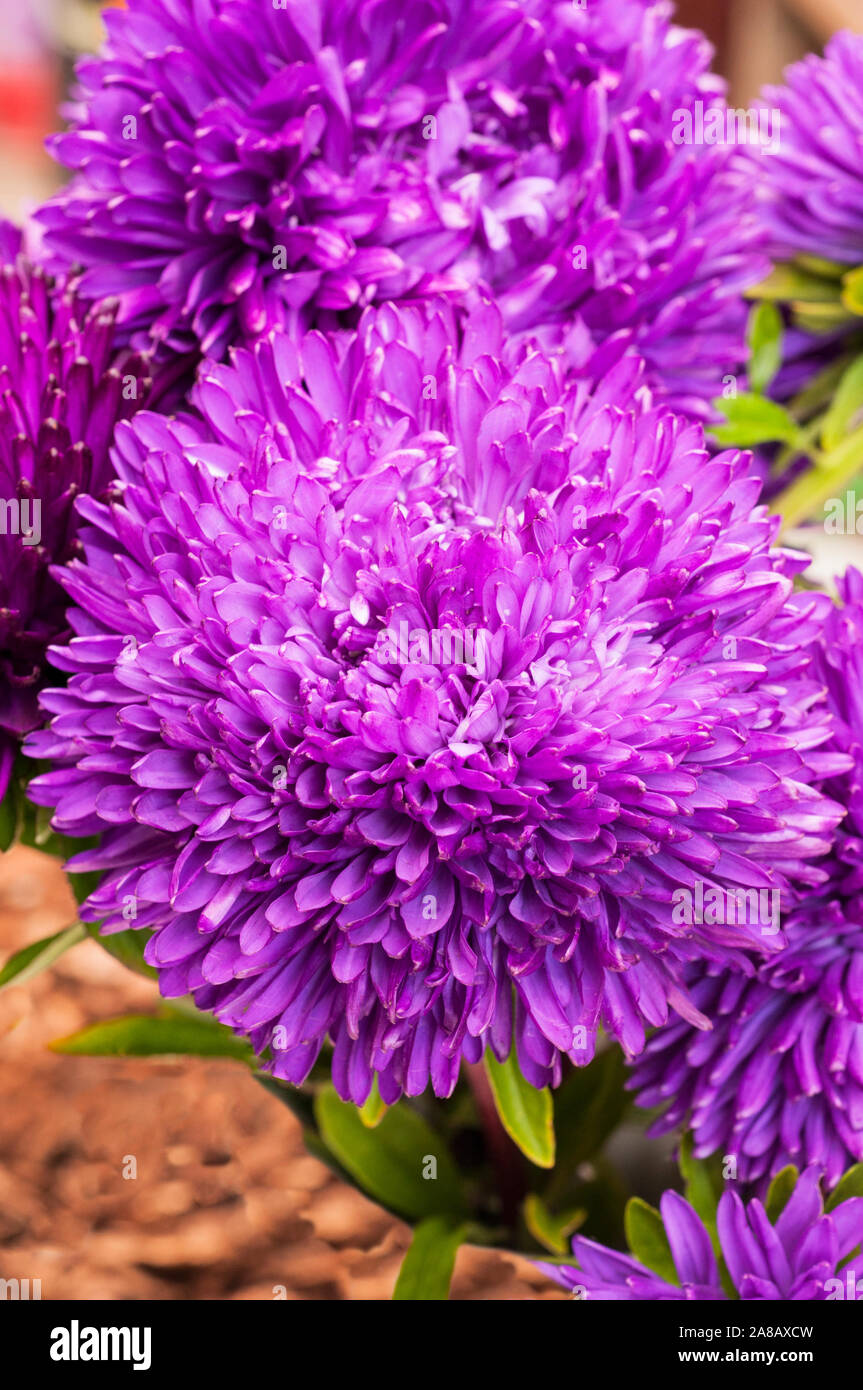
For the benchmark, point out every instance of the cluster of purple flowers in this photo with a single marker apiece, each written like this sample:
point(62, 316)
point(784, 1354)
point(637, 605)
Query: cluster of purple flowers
point(424, 657)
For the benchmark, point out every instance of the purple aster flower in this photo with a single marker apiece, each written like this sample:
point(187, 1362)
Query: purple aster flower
point(243, 164)
point(61, 392)
point(815, 177)
point(796, 1258)
point(811, 192)
point(779, 1079)
point(410, 680)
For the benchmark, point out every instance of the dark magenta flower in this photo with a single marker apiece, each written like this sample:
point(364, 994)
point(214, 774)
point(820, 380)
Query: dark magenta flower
point(62, 389)
point(410, 681)
point(242, 164)
point(795, 1258)
point(779, 1078)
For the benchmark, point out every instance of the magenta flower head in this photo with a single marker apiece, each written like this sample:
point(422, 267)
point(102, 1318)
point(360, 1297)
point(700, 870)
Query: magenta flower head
point(61, 392)
point(410, 682)
point(246, 163)
point(796, 1255)
point(779, 1078)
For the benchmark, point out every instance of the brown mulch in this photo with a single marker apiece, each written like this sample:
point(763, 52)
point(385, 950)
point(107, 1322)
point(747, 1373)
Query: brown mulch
point(225, 1202)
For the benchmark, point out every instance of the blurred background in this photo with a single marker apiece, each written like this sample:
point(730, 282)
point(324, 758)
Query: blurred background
point(226, 1202)
point(39, 40)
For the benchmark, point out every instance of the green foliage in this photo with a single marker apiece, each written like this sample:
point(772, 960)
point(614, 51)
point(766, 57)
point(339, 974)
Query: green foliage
point(426, 1272)
point(765, 338)
point(850, 1185)
point(779, 1192)
point(754, 420)
point(645, 1235)
point(38, 956)
point(402, 1163)
point(527, 1114)
point(168, 1033)
point(548, 1230)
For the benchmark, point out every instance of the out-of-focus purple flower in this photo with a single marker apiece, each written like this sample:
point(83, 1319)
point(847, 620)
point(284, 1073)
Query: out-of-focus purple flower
point(779, 1079)
point(815, 177)
point(242, 165)
point(410, 682)
point(61, 392)
point(811, 196)
point(797, 1258)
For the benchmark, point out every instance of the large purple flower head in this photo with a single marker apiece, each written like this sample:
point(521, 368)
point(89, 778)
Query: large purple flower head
point(61, 392)
point(779, 1078)
point(408, 683)
point(795, 1257)
point(244, 163)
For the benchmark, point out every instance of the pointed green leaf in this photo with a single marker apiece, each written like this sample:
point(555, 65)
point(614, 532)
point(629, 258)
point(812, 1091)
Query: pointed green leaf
point(40, 955)
point(847, 407)
point(765, 335)
point(806, 498)
point(646, 1237)
point(426, 1271)
point(550, 1230)
point(374, 1109)
point(703, 1182)
point(850, 1185)
point(165, 1034)
point(779, 1191)
point(754, 420)
point(402, 1163)
point(527, 1114)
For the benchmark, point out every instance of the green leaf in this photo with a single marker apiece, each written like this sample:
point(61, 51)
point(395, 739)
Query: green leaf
point(765, 335)
point(426, 1271)
point(826, 270)
point(126, 947)
point(164, 1034)
point(527, 1114)
point(374, 1109)
point(754, 420)
point(779, 1191)
point(703, 1188)
point(850, 1185)
point(392, 1163)
point(645, 1234)
point(852, 291)
point(587, 1107)
point(846, 408)
point(549, 1230)
point(37, 957)
point(788, 282)
point(703, 1183)
point(8, 820)
point(836, 469)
